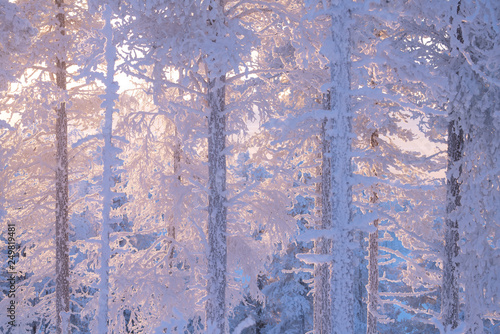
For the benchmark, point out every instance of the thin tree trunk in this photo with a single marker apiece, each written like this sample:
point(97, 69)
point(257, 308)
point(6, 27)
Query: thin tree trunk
point(322, 271)
point(373, 279)
point(171, 219)
point(373, 275)
point(217, 211)
point(177, 180)
point(449, 294)
point(108, 156)
point(62, 196)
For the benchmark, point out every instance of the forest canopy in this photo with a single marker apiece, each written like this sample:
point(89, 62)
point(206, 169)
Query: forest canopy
point(250, 166)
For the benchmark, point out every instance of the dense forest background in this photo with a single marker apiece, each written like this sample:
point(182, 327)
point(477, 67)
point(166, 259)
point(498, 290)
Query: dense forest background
point(250, 166)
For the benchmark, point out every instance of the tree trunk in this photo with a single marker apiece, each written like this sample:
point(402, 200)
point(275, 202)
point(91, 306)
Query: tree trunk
point(62, 196)
point(450, 302)
point(217, 211)
point(108, 157)
point(373, 275)
point(449, 294)
point(338, 135)
point(322, 272)
point(371, 321)
point(177, 184)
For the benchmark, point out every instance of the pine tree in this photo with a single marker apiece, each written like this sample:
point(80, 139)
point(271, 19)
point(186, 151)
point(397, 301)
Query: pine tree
point(472, 124)
point(373, 274)
point(62, 192)
point(217, 207)
point(450, 291)
point(338, 135)
point(38, 108)
point(109, 163)
point(334, 273)
point(322, 272)
point(336, 191)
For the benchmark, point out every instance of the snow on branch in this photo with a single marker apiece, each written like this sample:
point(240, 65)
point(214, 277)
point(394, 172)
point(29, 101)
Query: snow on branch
point(86, 139)
point(314, 258)
point(248, 322)
point(5, 125)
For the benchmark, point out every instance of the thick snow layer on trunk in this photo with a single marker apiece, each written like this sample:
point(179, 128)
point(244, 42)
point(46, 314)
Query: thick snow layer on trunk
point(338, 136)
point(217, 211)
point(334, 282)
point(323, 247)
point(108, 157)
point(62, 195)
point(248, 322)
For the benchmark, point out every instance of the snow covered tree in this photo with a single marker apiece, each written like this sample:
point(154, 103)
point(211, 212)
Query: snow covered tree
point(322, 271)
point(110, 163)
point(388, 96)
point(449, 59)
point(338, 198)
point(472, 131)
point(194, 66)
point(337, 295)
point(234, 115)
point(38, 108)
point(16, 34)
point(217, 207)
point(62, 191)
point(460, 76)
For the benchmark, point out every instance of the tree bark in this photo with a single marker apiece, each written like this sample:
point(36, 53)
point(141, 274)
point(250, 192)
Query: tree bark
point(449, 294)
point(373, 275)
point(371, 321)
point(322, 272)
point(177, 184)
point(450, 302)
point(62, 195)
point(217, 211)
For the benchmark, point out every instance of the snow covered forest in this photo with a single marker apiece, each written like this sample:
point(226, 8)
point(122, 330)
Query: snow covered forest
point(250, 166)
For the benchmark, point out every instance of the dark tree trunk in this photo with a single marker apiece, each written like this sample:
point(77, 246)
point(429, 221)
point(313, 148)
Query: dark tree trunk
point(217, 211)
point(449, 295)
point(373, 275)
point(450, 302)
point(62, 197)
